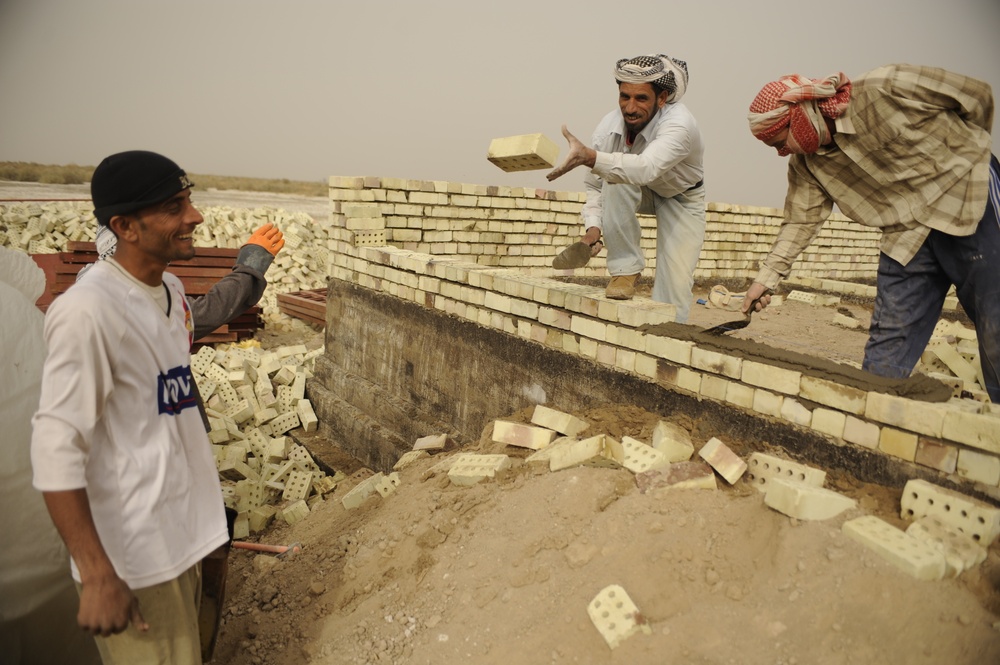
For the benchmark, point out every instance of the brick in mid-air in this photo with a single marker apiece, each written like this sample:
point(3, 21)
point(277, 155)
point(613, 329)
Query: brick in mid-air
point(526, 152)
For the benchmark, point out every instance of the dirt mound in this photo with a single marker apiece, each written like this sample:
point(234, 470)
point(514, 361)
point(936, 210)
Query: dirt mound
point(503, 571)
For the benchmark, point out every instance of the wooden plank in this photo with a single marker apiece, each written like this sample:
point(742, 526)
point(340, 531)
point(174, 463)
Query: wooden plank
point(309, 305)
point(303, 315)
point(304, 305)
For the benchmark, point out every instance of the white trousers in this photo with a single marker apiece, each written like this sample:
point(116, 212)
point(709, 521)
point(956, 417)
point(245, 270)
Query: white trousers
point(680, 232)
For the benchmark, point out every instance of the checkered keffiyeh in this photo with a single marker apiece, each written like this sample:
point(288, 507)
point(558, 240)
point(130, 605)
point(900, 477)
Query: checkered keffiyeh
point(800, 104)
point(664, 72)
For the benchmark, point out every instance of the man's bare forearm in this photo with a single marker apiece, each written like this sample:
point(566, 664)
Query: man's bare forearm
point(70, 511)
point(107, 604)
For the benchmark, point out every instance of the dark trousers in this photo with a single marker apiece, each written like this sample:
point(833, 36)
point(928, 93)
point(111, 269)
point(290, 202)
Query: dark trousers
point(909, 298)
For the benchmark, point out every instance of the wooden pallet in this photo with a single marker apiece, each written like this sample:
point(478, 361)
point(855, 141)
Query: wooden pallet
point(306, 305)
point(199, 275)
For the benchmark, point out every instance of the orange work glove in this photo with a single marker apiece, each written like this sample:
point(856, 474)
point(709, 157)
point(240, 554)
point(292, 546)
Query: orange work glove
point(269, 237)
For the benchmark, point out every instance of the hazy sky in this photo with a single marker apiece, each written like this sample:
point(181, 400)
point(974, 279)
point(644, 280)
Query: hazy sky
point(305, 89)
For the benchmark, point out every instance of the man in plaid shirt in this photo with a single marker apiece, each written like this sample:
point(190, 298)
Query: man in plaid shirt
point(905, 149)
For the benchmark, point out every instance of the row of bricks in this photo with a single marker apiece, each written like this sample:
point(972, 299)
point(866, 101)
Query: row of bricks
point(370, 183)
point(745, 383)
point(395, 190)
point(413, 234)
point(741, 235)
point(375, 183)
point(440, 205)
point(515, 235)
point(800, 277)
point(751, 239)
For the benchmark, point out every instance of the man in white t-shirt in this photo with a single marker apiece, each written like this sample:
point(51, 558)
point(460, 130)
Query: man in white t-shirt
point(646, 158)
point(118, 448)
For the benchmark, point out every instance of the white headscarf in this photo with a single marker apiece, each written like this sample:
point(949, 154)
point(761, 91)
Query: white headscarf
point(662, 71)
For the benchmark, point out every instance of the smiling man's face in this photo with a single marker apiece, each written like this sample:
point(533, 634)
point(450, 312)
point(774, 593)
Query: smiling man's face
point(165, 230)
point(639, 102)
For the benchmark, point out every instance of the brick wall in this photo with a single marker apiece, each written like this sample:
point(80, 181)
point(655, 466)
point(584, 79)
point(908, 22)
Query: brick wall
point(517, 227)
point(507, 292)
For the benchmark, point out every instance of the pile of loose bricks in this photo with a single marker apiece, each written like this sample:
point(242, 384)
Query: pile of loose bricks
point(46, 228)
point(253, 398)
point(948, 532)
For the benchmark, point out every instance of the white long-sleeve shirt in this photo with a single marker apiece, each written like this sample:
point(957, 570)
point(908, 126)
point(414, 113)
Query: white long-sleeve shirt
point(118, 416)
point(666, 156)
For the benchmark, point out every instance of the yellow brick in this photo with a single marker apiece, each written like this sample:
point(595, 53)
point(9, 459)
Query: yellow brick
point(795, 412)
point(714, 387)
point(973, 429)
point(524, 436)
point(979, 467)
point(740, 394)
point(715, 362)
point(523, 153)
point(829, 422)
point(936, 455)
point(589, 328)
point(674, 350)
point(558, 421)
point(772, 378)
point(860, 432)
point(898, 443)
point(723, 460)
point(833, 394)
point(919, 417)
point(767, 402)
point(639, 313)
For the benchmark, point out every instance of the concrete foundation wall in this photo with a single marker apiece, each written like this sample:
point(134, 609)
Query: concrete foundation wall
point(525, 228)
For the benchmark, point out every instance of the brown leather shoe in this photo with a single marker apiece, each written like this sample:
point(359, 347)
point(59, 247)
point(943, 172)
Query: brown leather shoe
point(621, 287)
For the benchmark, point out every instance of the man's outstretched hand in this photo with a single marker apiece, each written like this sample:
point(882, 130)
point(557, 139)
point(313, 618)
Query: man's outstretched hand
point(579, 155)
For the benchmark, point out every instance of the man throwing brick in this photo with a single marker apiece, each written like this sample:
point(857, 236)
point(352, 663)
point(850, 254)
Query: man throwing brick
point(647, 158)
point(118, 449)
point(905, 149)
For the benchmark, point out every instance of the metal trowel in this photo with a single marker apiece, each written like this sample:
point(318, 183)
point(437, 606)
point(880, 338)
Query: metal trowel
point(738, 324)
point(576, 255)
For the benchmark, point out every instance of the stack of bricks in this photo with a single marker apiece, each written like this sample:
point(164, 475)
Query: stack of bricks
point(525, 228)
point(960, 437)
point(952, 356)
point(253, 398)
point(858, 289)
point(45, 228)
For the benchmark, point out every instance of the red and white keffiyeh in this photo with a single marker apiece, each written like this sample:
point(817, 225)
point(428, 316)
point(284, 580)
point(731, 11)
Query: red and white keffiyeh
point(799, 104)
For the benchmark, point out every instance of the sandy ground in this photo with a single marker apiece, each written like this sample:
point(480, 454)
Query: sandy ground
point(502, 572)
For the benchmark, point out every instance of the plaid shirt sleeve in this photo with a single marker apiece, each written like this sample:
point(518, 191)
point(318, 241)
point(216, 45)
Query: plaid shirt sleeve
point(807, 207)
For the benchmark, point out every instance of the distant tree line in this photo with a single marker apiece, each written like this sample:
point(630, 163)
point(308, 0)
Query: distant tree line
point(72, 174)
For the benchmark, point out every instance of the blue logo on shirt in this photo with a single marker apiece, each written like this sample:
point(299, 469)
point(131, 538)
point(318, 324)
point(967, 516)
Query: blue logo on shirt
point(176, 391)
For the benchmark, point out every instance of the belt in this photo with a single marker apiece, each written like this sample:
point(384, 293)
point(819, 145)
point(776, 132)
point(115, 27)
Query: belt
point(695, 186)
